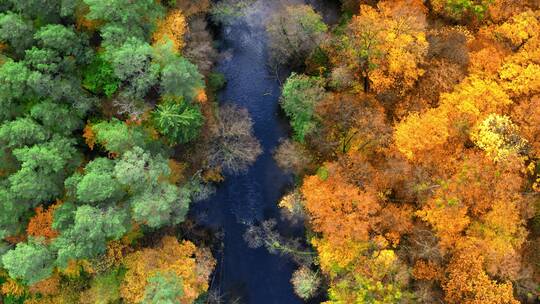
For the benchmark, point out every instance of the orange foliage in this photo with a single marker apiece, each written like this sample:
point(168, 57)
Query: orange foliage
point(426, 271)
point(89, 136)
point(177, 171)
point(467, 283)
point(338, 209)
point(47, 287)
point(40, 225)
point(191, 264)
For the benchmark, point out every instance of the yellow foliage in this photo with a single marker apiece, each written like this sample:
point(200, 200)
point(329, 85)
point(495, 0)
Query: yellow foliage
point(499, 137)
point(47, 287)
point(421, 132)
point(13, 288)
point(520, 28)
point(171, 29)
point(333, 259)
point(182, 259)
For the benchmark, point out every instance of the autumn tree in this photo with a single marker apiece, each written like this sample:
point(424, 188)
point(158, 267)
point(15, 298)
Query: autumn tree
point(171, 29)
point(172, 262)
point(385, 46)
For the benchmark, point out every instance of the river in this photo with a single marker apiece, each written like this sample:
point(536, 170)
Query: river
point(243, 274)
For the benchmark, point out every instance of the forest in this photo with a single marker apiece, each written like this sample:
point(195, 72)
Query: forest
point(407, 167)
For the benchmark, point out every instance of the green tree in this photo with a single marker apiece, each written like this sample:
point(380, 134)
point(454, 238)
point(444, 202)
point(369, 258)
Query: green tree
point(16, 32)
point(65, 41)
point(99, 77)
point(300, 95)
point(181, 78)
point(31, 262)
point(98, 183)
point(23, 131)
point(43, 168)
point(163, 289)
point(117, 137)
point(11, 213)
point(132, 64)
point(177, 120)
point(88, 235)
point(57, 118)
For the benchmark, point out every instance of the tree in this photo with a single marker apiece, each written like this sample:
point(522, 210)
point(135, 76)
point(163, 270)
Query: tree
point(132, 64)
point(171, 257)
point(163, 288)
point(65, 41)
point(40, 225)
point(55, 117)
point(299, 97)
point(292, 157)
point(87, 236)
point(22, 132)
point(43, 168)
point(99, 77)
point(180, 78)
point(305, 282)
point(16, 32)
point(97, 185)
point(385, 46)
point(499, 137)
point(294, 32)
point(337, 209)
point(178, 120)
point(467, 282)
point(154, 201)
point(462, 9)
point(233, 146)
point(171, 29)
point(117, 137)
point(31, 262)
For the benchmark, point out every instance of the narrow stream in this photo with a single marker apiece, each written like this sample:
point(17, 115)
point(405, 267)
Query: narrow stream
point(245, 275)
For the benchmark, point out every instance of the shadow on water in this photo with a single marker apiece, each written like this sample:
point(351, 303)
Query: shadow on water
point(245, 275)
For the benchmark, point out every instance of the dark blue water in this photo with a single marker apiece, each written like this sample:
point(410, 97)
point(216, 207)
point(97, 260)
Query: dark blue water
point(243, 274)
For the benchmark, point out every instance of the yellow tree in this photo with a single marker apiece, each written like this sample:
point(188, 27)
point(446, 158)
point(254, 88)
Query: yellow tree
point(183, 259)
point(385, 45)
point(171, 30)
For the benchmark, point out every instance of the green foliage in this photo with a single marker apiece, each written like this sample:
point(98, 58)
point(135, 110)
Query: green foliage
point(11, 213)
point(98, 184)
point(154, 200)
point(30, 262)
point(132, 64)
point(43, 168)
point(13, 82)
point(99, 77)
point(16, 32)
point(163, 288)
point(216, 81)
point(23, 131)
point(65, 41)
point(88, 236)
point(459, 8)
point(181, 78)
point(117, 137)
point(105, 288)
point(177, 120)
point(124, 16)
point(55, 117)
point(299, 97)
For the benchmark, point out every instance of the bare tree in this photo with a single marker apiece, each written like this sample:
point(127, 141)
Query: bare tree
point(199, 45)
point(266, 235)
point(292, 157)
point(233, 147)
